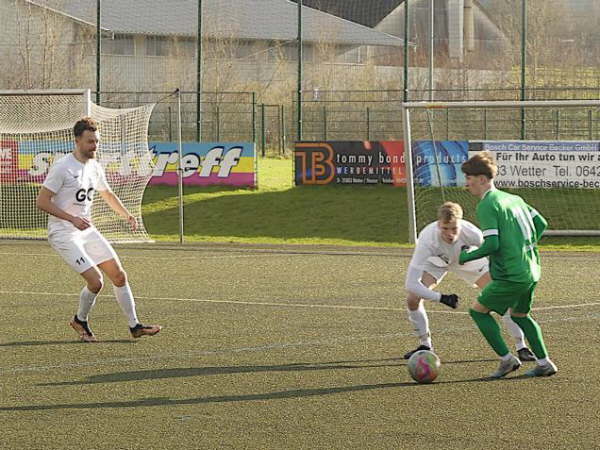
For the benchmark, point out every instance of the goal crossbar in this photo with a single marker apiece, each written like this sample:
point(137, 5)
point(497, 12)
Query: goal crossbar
point(502, 104)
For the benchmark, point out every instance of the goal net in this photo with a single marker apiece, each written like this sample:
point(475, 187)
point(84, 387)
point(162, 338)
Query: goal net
point(36, 130)
point(548, 152)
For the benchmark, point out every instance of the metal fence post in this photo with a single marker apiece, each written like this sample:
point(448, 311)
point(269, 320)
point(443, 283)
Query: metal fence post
point(485, 123)
point(324, 123)
point(180, 166)
point(300, 71)
point(263, 140)
point(279, 126)
point(98, 49)
point(368, 124)
point(282, 133)
point(217, 123)
point(170, 125)
point(254, 117)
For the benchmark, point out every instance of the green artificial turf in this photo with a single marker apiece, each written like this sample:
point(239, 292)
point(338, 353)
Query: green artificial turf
point(278, 347)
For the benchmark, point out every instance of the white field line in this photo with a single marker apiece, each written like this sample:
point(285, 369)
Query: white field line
point(186, 355)
point(290, 305)
point(196, 257)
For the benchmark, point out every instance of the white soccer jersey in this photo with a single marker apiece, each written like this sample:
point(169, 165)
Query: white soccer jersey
point(73, 184)
point(435, 256)
point(430, 244)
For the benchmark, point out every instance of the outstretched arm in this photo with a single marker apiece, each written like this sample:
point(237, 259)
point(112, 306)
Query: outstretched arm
point(115, 203)
point(413, 284)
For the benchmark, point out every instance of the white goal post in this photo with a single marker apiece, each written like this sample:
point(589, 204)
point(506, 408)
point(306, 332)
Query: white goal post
point(36, 130)
point(547, 151)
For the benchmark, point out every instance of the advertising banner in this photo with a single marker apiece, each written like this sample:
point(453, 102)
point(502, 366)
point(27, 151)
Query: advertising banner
point(437, 163)
point(521, 164)
point(351, 162)
point(9, 160)
point(545, 164)
point(203, 163)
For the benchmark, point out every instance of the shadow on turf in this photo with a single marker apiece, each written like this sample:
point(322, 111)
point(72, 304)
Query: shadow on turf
point(277, 395)
point(138, 375)
point(33, 343)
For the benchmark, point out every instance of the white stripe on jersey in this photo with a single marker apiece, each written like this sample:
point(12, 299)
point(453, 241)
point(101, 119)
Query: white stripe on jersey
point(491, 232)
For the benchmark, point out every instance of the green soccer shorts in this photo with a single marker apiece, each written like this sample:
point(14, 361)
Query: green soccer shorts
point(500, 295)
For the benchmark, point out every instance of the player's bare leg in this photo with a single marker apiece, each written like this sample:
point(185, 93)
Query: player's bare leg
point(114, 271)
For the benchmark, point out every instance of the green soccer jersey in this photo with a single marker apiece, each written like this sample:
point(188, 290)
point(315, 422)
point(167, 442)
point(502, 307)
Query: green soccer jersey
point(511, 219)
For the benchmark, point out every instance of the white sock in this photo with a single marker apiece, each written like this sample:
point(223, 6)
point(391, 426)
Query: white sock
point(421, 324)
point(87, 299)
point(543, 361)
point(515, 331)
point(127, 304)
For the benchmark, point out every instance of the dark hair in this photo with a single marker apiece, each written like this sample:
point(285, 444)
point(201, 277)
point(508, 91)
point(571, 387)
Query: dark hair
point(83, 124)
point(481, 163)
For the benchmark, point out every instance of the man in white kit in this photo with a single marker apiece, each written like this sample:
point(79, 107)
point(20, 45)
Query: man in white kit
point(67, 195)
point(436, 253)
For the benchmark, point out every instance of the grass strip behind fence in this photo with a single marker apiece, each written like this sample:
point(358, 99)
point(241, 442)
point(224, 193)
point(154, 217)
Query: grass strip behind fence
point(279, 212)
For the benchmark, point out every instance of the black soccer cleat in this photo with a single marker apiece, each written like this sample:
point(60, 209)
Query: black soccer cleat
point(525, 354)
point(407, 355)
point(144, 330)
point(450, 300)
point(83, 329)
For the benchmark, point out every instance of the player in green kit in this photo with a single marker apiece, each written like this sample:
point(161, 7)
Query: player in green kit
point(511, 229)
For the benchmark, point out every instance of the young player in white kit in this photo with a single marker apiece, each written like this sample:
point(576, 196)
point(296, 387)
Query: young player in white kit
point(67, 195)
point(436, 253)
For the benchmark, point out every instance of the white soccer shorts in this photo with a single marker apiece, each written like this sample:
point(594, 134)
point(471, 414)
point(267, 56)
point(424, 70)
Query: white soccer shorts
point(82, 249)
point(469, 272)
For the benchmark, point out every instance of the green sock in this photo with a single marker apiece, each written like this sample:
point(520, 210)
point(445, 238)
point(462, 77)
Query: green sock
point(533, 333)
point(491, 331)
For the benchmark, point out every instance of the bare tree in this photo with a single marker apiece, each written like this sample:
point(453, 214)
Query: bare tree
point(45, 49)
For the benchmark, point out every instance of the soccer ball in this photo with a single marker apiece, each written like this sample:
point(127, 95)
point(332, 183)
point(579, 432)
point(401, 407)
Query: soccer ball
point(424, 366)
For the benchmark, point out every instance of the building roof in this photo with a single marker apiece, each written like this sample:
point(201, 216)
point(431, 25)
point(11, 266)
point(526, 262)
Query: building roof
point(274, 20)
point(368, 13)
